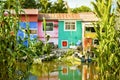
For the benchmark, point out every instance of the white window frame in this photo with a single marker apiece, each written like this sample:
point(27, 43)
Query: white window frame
point(70, 29)
point(46, 26)
point(62, 45)
point(89, 25)
point(34, 29)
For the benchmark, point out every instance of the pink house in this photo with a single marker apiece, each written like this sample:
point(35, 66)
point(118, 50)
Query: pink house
point(51, 27)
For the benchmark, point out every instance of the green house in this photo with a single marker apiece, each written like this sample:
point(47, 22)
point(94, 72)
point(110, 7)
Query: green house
point(69, 73)
point(69, 30)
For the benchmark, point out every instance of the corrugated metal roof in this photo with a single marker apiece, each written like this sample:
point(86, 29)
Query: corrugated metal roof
point(59, 16)
point(88, 16)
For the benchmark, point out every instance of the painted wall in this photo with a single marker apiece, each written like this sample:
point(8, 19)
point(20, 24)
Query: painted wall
point(70, 36)
point(53, 34)
point(88, 37)
point(29, 18)
point(87, 43)
point(23, 26)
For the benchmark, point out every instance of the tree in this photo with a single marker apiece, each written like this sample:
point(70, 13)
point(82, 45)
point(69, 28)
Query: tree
point(59, 7)
point(24, 4)
point(28, 4)
point(81, 9)
point(108, 51)
point(44, 6)
point(9, 4)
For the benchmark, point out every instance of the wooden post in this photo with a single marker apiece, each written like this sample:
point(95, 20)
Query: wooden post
point(84, 72)
point(91, 71)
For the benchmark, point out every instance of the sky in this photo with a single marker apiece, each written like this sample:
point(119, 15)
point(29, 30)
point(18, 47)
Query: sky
point(78, 3)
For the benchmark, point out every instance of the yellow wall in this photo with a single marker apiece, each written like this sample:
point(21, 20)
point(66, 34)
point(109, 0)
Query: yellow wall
point(90, 35)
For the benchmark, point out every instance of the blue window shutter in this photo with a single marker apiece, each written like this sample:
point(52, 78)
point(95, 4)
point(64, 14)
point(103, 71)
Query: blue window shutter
point(33, 25)
point(23, 24)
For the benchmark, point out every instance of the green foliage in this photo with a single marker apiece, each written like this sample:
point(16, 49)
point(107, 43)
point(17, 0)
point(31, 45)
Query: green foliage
point(9, 50)
point(28, 4)
point(118, 4)
point(59, 7)
point(12, 54)
point(69, 53)
point(117, 13)
point(44, 68)
point(108, 51)
point(24, 4)
point(11, 4)
point(45, 6)
point(37, 48)
point(81, 9)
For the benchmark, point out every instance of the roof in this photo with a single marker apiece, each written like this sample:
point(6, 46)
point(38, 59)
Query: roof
point(25, 11)
point(59, 16)
point(88, 16)
point(30, 11)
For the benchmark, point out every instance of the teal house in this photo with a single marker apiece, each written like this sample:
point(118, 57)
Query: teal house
point(69, 30)
point(69, 73)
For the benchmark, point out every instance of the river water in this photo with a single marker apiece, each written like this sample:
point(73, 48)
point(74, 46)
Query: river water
point(55, 71)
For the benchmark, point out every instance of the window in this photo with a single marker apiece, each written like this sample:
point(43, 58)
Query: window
point(33, 34)
point(70, 26)
point(90, 29)
point(33, 31)
point(49, 26)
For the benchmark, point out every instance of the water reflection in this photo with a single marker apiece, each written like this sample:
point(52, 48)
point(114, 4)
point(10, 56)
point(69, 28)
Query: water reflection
point(57, 71)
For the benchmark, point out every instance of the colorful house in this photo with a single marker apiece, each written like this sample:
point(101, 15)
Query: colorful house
point(29, 18)
point(89, 35)
point(64, 29)
point(69, 73)
point(51, 27)
point(69, 30)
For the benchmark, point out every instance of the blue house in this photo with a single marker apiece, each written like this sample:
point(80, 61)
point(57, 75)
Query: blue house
point(29, 19)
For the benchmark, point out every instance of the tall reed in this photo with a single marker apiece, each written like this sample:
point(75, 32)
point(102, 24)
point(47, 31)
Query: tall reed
point(108, 51)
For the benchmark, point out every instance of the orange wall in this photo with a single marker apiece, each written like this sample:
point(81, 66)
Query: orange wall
point(87, 42)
